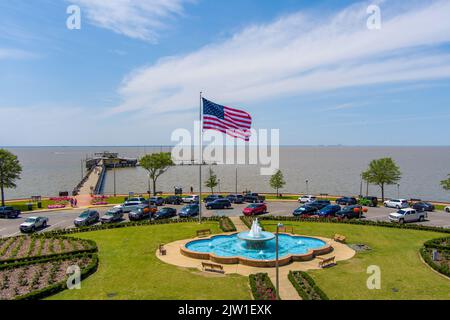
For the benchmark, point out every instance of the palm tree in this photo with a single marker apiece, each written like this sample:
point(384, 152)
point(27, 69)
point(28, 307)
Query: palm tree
point(382, 172)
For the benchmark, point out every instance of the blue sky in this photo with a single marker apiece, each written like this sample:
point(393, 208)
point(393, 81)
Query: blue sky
point(312, 69)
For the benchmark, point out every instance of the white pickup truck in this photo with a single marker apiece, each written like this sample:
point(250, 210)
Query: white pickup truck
point(408, 215)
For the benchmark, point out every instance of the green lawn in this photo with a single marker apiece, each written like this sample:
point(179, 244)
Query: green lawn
point(129, 268)
point(395, 251)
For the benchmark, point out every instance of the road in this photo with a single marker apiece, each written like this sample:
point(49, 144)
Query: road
point(64, 218)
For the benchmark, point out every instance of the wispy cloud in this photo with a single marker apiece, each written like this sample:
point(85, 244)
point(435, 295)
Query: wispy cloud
point(138, 19)
point(299, 53)
point(10, 54)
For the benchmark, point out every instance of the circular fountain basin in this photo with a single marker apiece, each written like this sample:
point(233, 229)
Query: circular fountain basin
point(235, 248)
point(263, 237)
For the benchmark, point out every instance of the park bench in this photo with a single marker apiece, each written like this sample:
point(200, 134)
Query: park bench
point(211, 267)
point(326, 262)
point(339, 238)
point(203, 233)
point(162, 250)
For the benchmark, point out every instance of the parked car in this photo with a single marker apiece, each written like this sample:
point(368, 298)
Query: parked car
point(191, 199)
point(396, 203)
point(254, 198)
point(369, 201)
point(408, 215)
point(113, 215)
point(165, 213)
point(350, 212)
point(156, 201)
point(33, 224)
point(447, 209)
point(306, 210)
point(236, 198)
point(140, 213)
point(137, 199)
point(212, 197)
point(189, 211)
point(307, 199)
point(319, 204)
point(346, 201)
point(87, 218)
point(423, 206)
point(254, 209)
point(219, 204)
point(129, 206)
point(176, 200)
point(329, 211)
point(9, 212)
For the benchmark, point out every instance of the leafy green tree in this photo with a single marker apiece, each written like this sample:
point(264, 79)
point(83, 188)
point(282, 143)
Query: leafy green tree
point(446, 183)
point(156, 164)
point(10, 170)
point(382, 172)
point(277, 181)
point(212, 181)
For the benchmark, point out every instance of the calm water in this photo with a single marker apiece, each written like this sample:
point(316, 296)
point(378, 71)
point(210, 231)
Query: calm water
point(332, 170)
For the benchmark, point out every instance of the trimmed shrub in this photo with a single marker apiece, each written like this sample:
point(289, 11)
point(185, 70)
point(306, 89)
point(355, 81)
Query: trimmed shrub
point(262, 287)
point(306, 286)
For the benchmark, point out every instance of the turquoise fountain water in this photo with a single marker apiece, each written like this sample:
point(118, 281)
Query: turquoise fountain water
point(255, 244)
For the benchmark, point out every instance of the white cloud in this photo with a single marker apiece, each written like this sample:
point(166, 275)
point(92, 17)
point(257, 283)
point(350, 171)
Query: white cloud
point(138, 19)
point(299, 53)
point(9, 54)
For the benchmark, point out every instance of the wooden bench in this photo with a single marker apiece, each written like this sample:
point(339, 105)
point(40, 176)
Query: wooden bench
point(211, 267)
point(203, 233)
point(162, 250)
point(339, 238)
point(326, 262)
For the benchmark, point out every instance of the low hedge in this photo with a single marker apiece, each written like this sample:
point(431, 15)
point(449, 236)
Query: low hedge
point(309, 292)
point(262, 287)
point(358, 222)
point(226, 225)
point(127, 224)
point(61, 286)
point(438, 244)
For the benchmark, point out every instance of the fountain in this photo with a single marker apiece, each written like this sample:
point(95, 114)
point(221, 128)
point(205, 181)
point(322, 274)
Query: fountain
point(256, 238)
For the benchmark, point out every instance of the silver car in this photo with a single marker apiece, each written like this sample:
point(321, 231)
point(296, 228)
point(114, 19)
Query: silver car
point(32, 224)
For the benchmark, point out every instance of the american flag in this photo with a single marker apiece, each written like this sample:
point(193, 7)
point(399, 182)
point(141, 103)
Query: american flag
point(234, 122)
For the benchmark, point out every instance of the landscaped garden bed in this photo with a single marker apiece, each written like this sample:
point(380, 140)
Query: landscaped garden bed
point(305, 286)
point(37, 280)
point(32, 247)
point(227, 225)
point(437, 254)
point(262, 287)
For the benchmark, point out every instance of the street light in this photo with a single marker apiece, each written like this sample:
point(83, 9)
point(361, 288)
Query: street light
point(218, 181)
point(307, 191)
point(398, 190)
point(280, 225)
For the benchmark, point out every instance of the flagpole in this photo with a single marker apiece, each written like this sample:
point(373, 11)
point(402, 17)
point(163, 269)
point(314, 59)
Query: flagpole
point(201, 162)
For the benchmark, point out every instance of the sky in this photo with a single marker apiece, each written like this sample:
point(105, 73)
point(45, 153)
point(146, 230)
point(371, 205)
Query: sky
point(132, 73)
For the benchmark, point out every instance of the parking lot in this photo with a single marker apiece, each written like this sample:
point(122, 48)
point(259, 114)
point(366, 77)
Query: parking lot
point(64, 218)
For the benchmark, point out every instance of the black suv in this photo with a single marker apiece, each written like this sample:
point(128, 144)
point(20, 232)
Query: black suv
point(346, 201)
point(173, 200)
point(350, 212)
point(254, 198)
point(9, 212)
point(320, 204)
point(236, 198)
point(219, 204)
point(212, 197)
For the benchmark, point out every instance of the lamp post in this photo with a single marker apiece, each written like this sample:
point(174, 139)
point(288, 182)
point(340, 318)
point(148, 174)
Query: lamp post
point(277, 275)
point(398, 190)
point(115, 192)
point(218, 181)
point(307, 189)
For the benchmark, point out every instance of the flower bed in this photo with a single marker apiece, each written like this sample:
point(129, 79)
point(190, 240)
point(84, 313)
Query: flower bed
point(59, 199)
point(227, 225)
point(262, 287)
point(56, 206)
point(442, 248)
point(305, 286)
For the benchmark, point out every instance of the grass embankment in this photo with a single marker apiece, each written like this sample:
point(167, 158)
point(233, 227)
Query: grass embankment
point(129, 268)
point(403, 275)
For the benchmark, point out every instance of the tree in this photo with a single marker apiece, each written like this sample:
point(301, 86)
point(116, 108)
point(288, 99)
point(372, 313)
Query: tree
point(156, 164)
point(277, 181)
point(10, 170)
point(446, 183)
point(212, 181)
point(382, 172)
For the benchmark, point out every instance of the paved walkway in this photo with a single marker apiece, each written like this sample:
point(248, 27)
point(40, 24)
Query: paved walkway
point(84, 197)
point(240, 226)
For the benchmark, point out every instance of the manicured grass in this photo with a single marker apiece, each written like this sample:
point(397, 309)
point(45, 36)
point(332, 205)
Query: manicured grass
point(22, 205)
point(129, 268)
point(403, 275)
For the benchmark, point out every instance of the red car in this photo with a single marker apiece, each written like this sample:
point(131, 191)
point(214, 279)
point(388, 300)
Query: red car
point(254, 209)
